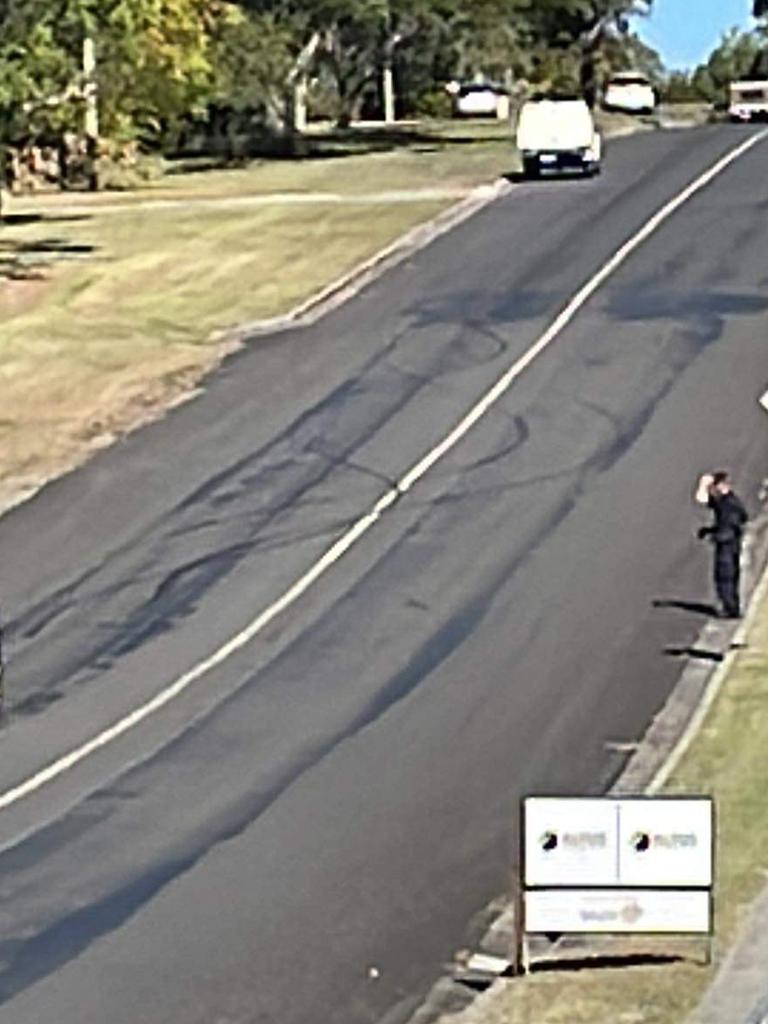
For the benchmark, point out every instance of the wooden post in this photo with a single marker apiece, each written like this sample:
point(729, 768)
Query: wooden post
point(520, 952)
point(389, 93)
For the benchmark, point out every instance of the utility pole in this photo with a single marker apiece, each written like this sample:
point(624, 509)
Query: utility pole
point(389, 92)
point(91, 95)
point(388, 77)
point(90, 89)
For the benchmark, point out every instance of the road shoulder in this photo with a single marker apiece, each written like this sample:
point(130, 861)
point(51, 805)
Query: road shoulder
point(710, 737)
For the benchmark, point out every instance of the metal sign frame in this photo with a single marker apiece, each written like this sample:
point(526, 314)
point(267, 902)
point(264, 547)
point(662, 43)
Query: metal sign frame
point(522, 961)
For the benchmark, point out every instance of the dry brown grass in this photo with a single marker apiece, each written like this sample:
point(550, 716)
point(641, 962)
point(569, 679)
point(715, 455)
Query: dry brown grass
point(93, 346)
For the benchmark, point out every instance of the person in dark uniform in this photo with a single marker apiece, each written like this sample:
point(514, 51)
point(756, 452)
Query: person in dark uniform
point(726, 534)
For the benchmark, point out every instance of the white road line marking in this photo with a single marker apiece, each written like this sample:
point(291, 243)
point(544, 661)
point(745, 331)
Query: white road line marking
point(406, 482)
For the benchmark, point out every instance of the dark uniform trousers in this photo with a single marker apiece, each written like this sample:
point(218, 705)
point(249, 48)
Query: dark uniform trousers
point(727, 574)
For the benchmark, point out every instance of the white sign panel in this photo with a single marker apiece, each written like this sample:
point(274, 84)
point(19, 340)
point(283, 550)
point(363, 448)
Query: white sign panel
point(666, 843)
point(570, 842)
point(622, 911)
point(656, 842)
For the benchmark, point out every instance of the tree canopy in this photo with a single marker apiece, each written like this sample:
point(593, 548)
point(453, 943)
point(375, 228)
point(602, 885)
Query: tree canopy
point(738, 55)
point(160, 62)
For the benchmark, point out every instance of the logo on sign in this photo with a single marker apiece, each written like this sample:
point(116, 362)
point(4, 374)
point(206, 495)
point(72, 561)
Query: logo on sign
point(643, 841)
point(631, 912)
point(549, 841)
point(573, 841)
point(640, 842)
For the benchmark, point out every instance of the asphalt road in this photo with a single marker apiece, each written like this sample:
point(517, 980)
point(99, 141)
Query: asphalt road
point(342, 792)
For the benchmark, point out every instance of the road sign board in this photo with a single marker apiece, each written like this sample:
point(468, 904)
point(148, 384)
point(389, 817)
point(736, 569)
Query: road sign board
point(666, 843)
point(571, 842)
point(619, 911)
point(662, 842)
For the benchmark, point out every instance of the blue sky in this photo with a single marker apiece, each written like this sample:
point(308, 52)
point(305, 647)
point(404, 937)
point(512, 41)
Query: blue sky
point(686, 31)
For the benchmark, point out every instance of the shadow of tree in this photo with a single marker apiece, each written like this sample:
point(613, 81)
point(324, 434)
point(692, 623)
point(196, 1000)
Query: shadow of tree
point(28, 259)
point(336, 143)
point(24, 219)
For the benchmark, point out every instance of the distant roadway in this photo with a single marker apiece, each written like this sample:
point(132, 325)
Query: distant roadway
point(338, 788)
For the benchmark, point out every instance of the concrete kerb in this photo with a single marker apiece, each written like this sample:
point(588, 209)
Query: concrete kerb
point(676, 726)
point(658, 754)
point(350, 284)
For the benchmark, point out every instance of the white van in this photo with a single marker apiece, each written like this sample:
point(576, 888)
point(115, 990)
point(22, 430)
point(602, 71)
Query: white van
point(630, 93)
point(749, 101)
point(558, 134)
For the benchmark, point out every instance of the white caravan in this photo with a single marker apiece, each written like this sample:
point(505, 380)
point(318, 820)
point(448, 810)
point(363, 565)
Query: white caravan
point(749, 101)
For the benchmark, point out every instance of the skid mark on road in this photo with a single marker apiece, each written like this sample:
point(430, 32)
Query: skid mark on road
point(390, 497)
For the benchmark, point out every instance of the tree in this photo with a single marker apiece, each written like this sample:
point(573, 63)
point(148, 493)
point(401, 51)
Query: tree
point(737, 56)
point(679, 87)
point(33, 70)
point(582, 32)
point(254, 55)
point(154, 59)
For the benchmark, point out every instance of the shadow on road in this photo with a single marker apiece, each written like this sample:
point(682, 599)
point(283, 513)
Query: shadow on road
point(695, 607)
point(697, 653)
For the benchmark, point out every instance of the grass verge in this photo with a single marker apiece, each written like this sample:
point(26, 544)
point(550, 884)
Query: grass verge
point(728, 759)
point(114, 306)
point(109, 315)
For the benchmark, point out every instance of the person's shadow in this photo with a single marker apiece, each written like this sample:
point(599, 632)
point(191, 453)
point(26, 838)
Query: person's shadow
point(694, 607)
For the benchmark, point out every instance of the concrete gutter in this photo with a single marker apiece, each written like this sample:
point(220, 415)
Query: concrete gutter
point(350, 284)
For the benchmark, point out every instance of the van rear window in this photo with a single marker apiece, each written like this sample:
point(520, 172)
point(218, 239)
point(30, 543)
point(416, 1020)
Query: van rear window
point(629, 81)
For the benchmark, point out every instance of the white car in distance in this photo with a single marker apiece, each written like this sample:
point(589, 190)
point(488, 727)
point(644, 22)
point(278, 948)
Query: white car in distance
point(482, 100)
point(630, 93)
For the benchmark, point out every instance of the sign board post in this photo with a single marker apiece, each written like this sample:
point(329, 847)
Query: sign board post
point(615, 866)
